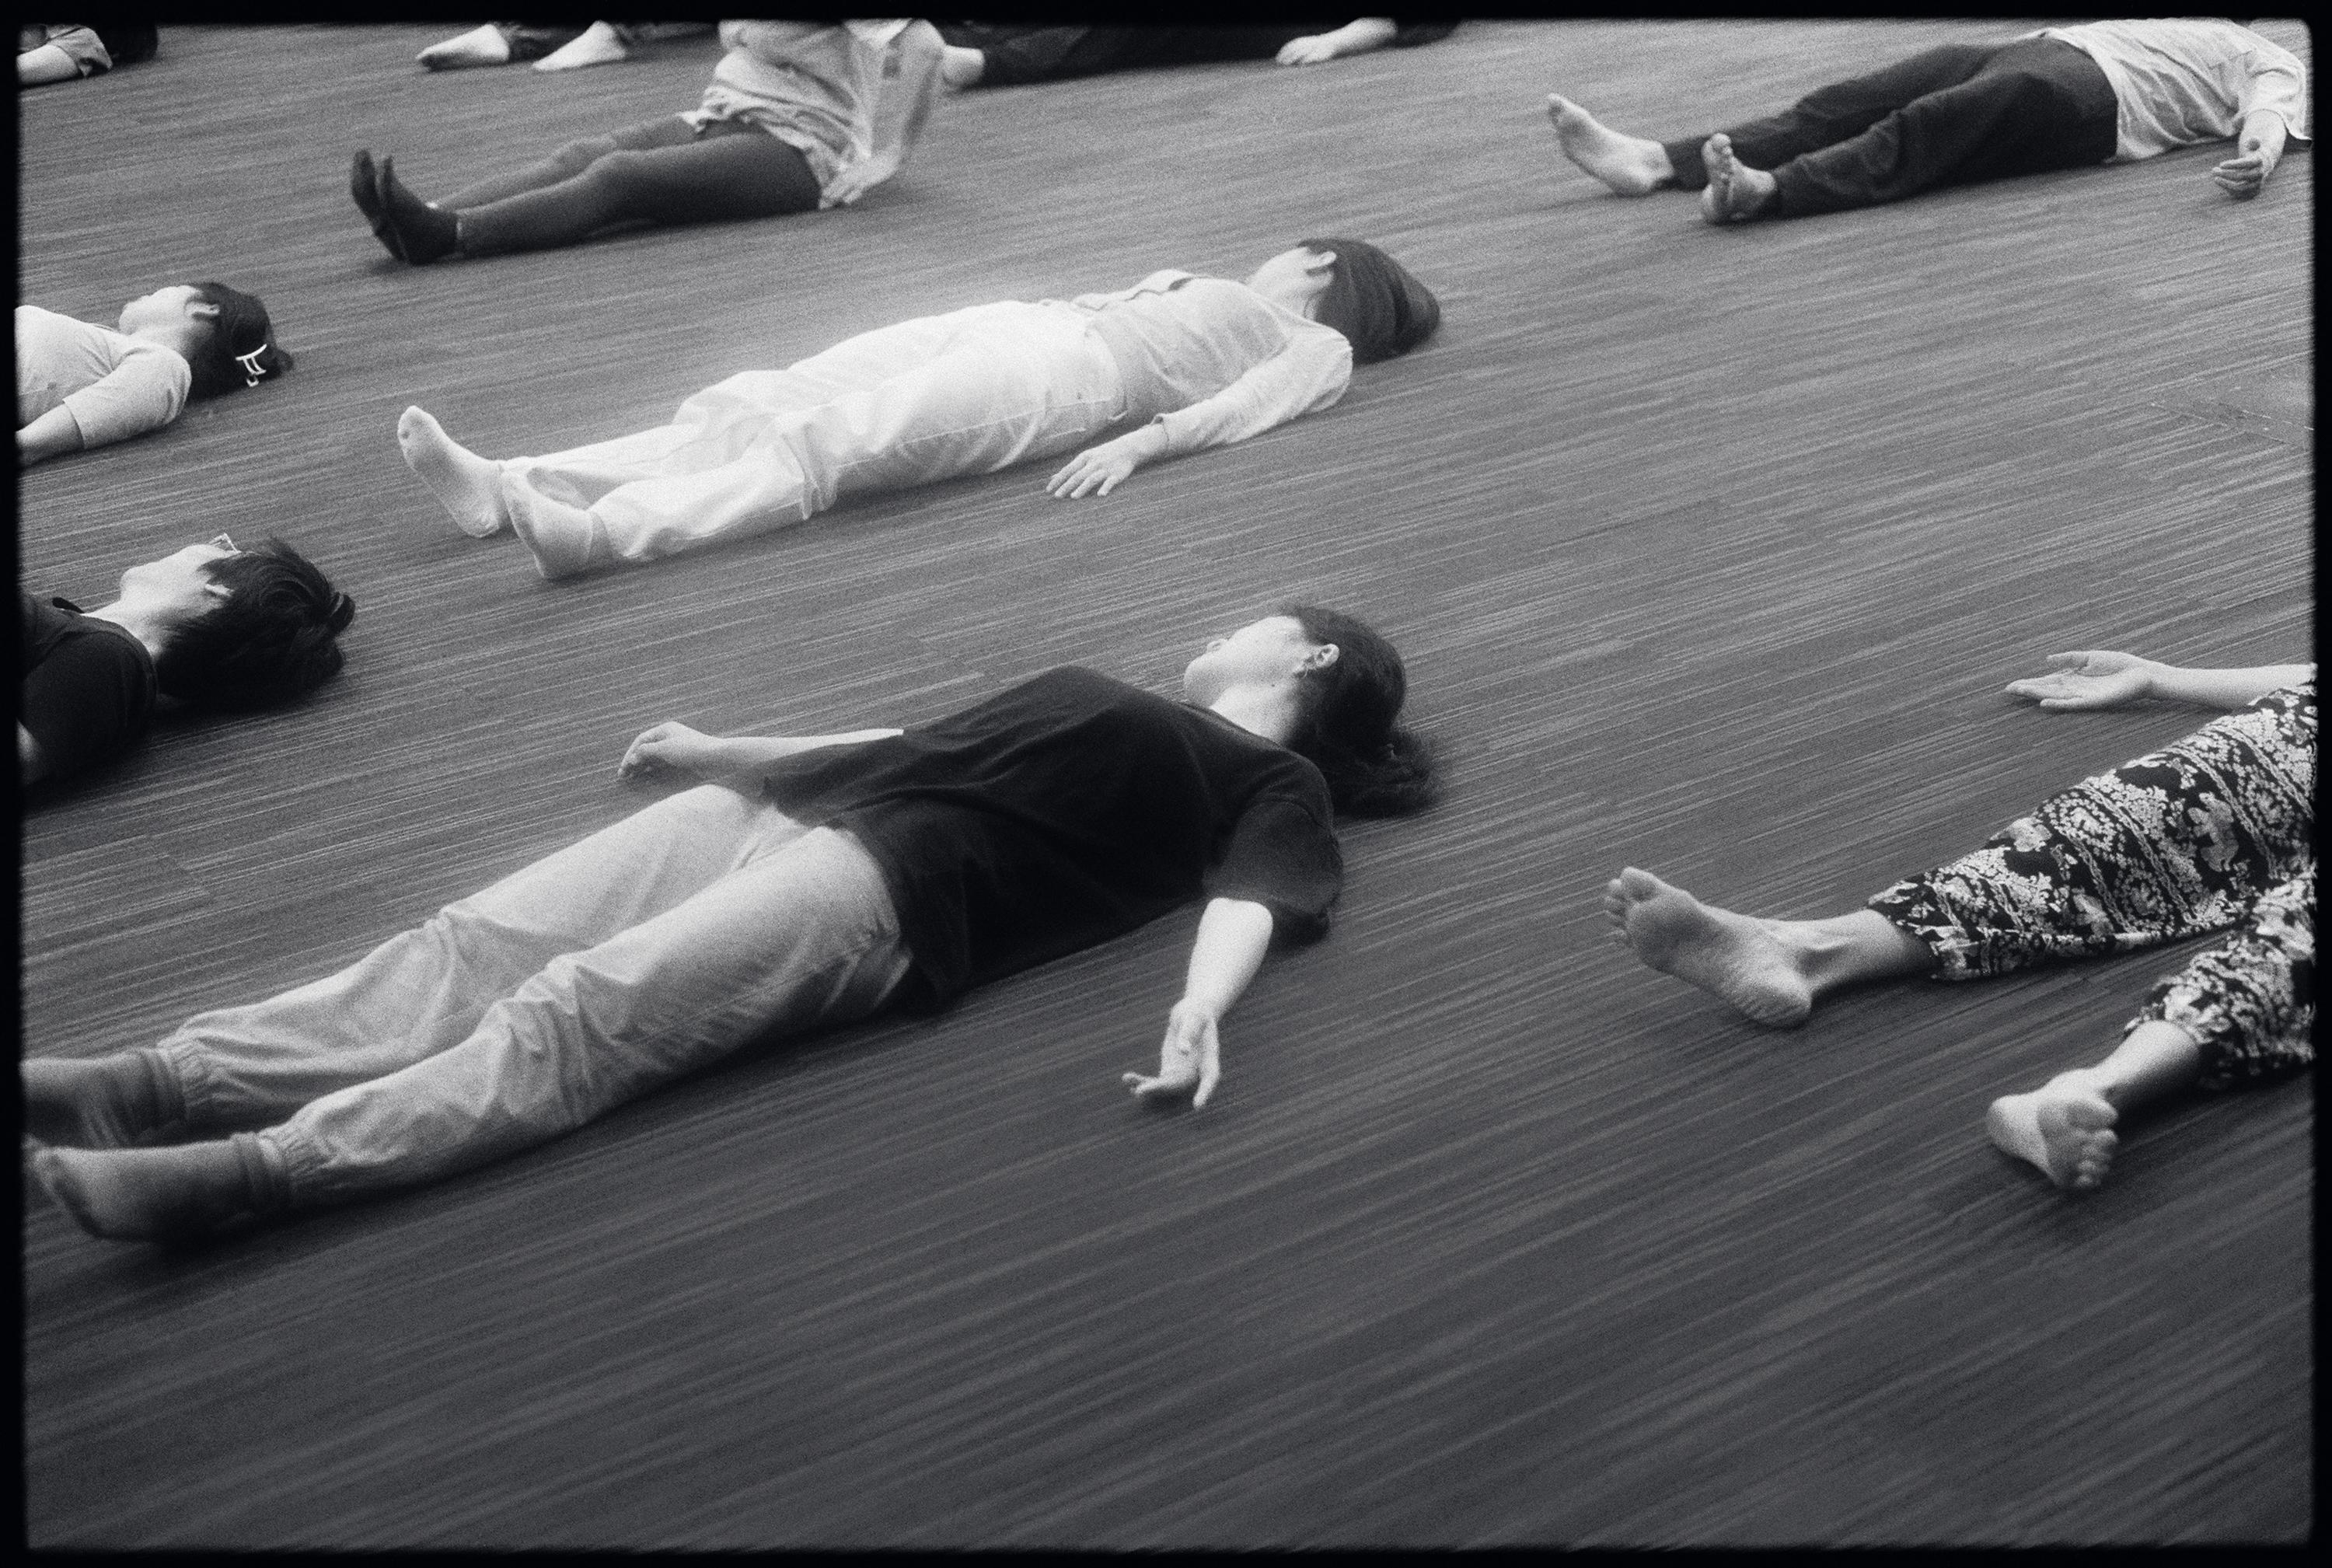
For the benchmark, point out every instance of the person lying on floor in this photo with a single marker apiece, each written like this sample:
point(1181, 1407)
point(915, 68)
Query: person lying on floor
point(50, 52)
point(800, 116)
point(2215, 832)
point(987, 54)
point(209, 627)
point(810, 881)
point(1177, 363)
point(2061, 97)
point(80, 384)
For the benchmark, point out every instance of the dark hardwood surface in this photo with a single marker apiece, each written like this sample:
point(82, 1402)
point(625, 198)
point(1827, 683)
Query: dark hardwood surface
point(1709, 552)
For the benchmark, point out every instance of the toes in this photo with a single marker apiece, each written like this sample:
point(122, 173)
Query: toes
point(1637, 884)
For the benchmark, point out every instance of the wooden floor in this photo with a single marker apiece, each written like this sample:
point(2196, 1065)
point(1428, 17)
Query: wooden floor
point(1710, 552)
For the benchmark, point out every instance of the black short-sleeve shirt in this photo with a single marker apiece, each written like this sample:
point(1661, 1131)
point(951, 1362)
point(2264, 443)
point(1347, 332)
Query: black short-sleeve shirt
point(87, 685)
point(1065, 811)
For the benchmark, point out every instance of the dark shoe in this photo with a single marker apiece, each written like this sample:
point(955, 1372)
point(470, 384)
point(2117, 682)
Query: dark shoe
point(419, 233)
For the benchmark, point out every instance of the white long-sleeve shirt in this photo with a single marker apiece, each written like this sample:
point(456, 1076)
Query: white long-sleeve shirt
point(1212, 361)
point(114, 385)
point(2178, 83)
point(850, 98)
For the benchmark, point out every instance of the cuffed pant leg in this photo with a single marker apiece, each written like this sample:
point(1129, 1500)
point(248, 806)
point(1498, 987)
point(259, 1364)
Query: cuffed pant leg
point(425, 991)
point(2033, 106)
point(981, 390)
point(802, 936)
point(2173, 844)
point(1836, 113)
point(2250, 1002)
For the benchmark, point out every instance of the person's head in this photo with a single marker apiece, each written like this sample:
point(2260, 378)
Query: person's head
point(242, 628)
point(223, 333)
point(1378, 304)
point(1349, 684)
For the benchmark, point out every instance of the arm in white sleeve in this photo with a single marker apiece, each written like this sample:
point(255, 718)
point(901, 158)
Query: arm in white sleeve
point(1308, 374)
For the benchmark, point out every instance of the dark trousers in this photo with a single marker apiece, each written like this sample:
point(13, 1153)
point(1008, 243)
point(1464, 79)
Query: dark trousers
point(666, 171)
point(1951, 115)
point(1016, 54)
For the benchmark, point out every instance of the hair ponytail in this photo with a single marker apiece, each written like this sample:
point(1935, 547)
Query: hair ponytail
point(1375, 767)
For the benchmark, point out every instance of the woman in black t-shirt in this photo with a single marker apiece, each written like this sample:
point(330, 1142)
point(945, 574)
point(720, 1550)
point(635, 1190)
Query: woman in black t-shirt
point(821, 878)
point(208, 626)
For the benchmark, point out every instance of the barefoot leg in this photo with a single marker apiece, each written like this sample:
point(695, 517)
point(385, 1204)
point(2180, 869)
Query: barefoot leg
point(1736, 193)
point(1628, 165)
point(1770, 971)
point(2064, 1126)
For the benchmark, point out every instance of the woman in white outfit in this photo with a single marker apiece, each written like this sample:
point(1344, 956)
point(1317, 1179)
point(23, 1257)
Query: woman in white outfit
point(1175, 364)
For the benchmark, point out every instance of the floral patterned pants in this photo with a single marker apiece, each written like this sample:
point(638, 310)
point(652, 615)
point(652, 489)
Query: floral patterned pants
point(2215, 832)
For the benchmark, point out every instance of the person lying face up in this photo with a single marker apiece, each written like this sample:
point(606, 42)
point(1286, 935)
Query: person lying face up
point(1176, 364)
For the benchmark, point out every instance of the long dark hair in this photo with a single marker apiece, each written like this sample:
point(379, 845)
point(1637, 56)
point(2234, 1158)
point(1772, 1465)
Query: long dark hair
point(1374, 302)
point(241, 349)
point(1374, 766)
point(274, 638)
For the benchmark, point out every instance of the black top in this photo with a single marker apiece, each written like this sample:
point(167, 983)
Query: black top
point(1065, 811)
point(89, 685)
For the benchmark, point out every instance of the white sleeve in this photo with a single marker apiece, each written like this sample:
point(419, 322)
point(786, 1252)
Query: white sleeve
point(144, 392)
point(902, 83)
point(2277, 81)
point(1309, 373)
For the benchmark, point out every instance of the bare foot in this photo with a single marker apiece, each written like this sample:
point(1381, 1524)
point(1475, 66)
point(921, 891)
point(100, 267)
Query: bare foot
point(483, 45)
point(1747, 963)
point(962, 67)
point(468, 486)
point(1736, 193)
point(1629, 165)
point(598, 45)
point(2065, 1127)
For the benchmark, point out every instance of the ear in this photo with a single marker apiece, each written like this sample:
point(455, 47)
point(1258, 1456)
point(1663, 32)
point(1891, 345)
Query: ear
point(1323, 656)
point(1320, 261)
point(202, 310)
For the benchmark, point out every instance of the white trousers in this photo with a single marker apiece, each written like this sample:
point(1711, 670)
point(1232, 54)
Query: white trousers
point(936, 398)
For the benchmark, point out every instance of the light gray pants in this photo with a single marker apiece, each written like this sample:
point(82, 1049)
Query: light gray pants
point(970, 392)
point(649, 950)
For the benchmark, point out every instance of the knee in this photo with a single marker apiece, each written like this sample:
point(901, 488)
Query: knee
point(577, 156)
point(624, 174)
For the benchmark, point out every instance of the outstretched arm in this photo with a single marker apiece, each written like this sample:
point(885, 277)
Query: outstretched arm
point(53, 435)
point(1352, 38)
point(1233, 936)
point(2260, 143)
point(2103, 679)
point(671, 751)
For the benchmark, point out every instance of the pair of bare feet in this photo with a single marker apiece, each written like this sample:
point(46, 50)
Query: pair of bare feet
point(1772, 971)
point(598, 45)
point(562, 538)
point(1637, 166)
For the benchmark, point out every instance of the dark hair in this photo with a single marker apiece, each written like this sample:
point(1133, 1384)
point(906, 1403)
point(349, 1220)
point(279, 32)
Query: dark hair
point(241, 349)
point(1374, 767)
point(272, 640)
point(1374, 302)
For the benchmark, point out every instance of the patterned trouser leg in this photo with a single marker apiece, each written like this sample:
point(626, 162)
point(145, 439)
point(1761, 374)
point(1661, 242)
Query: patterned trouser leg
point(2181, 842)
point(2251, 1004)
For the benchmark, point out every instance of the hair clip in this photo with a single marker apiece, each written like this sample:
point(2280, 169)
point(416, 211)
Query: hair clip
point(252, 368)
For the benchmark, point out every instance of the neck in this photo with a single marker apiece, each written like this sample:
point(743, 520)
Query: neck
point(179, 338)
point(150, 623)
point(1268, 710)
